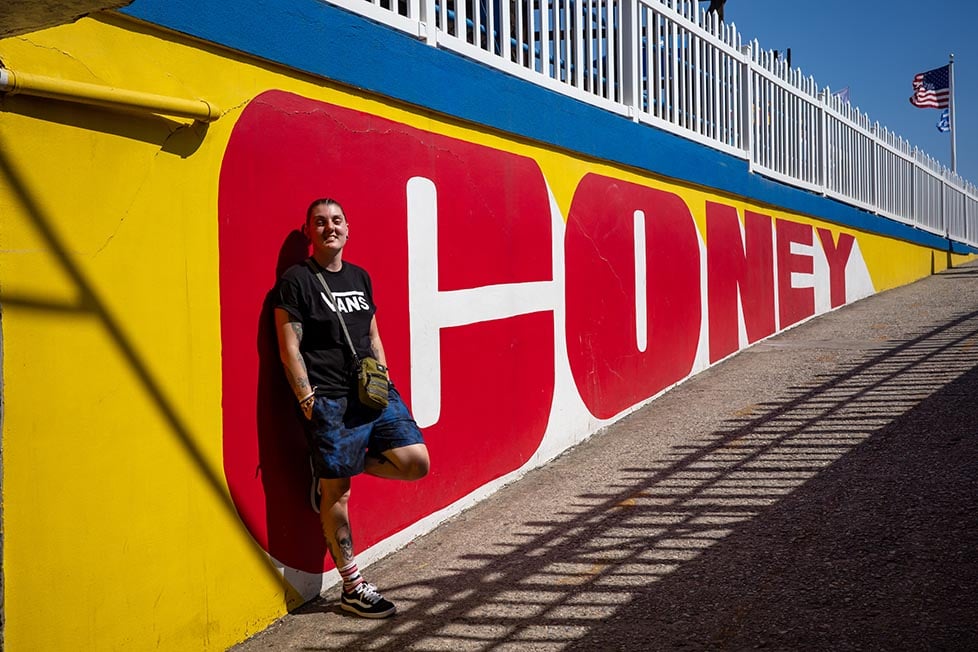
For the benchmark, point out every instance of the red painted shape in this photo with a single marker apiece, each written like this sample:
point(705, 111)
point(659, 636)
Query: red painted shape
point(838, 257)
point(491, 206)
point(744, 263)
point(794, 303)
point(611, 373)
point(283, 152)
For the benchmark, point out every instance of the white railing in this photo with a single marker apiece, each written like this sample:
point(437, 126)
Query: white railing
point(668, 64)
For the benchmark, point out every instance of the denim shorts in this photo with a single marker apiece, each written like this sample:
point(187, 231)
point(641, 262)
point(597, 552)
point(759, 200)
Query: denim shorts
point(341, 431)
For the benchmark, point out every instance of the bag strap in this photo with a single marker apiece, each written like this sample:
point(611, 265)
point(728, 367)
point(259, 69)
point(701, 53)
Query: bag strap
point(336, 308)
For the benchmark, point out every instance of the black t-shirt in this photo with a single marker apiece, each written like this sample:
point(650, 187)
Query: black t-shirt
point(324, 347)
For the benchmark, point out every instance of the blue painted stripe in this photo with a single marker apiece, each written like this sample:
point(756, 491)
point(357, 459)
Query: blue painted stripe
point(314, 37)
point(961, 248)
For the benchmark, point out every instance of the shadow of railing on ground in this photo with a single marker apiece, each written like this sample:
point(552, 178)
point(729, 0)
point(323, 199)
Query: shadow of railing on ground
point(745, 537)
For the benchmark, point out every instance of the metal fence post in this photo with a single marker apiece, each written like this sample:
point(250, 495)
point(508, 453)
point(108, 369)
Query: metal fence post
point(746, 107)
point(631, 51)
point(425, 13)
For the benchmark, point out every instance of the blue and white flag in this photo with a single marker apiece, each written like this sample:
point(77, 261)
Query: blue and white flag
point(944, 124)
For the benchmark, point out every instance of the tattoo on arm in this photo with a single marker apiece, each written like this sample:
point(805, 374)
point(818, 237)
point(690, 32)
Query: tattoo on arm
point(303, 381)
point(297, 329)
point(298, 381)
point(289, 340)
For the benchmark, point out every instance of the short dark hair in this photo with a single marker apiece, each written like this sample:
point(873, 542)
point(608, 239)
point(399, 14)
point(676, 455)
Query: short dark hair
point(319, 202)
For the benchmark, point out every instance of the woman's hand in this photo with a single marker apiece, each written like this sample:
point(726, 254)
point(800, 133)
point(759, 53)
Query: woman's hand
point(307, 403)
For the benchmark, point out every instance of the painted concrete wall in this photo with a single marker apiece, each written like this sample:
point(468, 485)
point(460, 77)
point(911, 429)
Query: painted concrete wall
point(154, 479)
point(22, 16)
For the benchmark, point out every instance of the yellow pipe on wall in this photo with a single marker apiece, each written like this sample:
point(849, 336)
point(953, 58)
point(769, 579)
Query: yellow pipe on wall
point(72, 91)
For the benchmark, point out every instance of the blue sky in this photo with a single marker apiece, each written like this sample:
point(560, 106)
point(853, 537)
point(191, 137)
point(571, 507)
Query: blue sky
point(875, 47)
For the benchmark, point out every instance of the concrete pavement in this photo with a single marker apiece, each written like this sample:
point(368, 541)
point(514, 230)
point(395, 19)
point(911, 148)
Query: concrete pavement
point(816, 491)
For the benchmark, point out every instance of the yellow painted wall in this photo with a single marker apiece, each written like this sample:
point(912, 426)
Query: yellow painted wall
point(118, 530)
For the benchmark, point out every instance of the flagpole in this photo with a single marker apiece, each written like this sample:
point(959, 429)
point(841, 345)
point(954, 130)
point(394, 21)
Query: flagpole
point(950, 70)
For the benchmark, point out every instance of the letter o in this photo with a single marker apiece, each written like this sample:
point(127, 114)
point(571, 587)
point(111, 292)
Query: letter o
point(612, 373)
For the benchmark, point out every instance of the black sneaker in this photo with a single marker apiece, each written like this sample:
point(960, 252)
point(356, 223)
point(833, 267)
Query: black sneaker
point(364, 600)
point(315, 492)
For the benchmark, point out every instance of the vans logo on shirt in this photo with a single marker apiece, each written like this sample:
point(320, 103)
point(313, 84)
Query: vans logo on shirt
point(354, 301)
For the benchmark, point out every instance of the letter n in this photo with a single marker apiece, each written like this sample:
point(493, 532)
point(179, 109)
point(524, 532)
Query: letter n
point(740, 273)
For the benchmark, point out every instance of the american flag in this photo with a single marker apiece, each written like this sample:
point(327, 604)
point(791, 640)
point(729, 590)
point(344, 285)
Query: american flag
point(932, 89)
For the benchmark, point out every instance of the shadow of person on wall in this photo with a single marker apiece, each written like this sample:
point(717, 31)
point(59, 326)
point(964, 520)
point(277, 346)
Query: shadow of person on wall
point(294, 533)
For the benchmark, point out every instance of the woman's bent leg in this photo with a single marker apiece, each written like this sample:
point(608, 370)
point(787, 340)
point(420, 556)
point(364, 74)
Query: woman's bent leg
point(404, 463)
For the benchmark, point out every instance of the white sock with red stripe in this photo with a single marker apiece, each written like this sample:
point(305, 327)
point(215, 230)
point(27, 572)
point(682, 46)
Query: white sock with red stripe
point(351, 577)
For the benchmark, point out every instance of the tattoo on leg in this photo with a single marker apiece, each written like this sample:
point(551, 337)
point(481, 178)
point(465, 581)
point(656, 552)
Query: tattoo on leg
point(343, 542)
